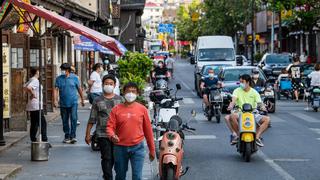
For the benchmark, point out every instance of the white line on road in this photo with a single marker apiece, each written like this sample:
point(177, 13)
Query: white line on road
point(291, 160)
point(200, 137)
point(54, 137)
point(201, 117)
point(284, 174)
point(188, 87)
point(69, 145)
point(275, 118)
point(318, 139)
point(188, 101)
point(305, 117)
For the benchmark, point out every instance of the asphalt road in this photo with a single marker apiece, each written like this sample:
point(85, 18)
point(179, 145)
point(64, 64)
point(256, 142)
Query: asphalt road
point(291, 146)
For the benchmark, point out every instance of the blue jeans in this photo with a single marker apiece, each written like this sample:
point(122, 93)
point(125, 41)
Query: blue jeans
point(122, 155)
point(66, 113)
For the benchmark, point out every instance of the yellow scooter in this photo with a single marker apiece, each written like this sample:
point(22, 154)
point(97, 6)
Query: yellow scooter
point(246, 145)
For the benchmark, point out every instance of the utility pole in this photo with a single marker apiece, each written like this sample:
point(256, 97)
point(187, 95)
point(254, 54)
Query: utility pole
point(2, 141)
point(252, 29)
point(280, 32)
point(272, 27)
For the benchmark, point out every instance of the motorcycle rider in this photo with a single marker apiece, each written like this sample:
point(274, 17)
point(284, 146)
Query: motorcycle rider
point(208, 81)
point(159, 70)
point(295, 72)
point(246, 94)
point(315, 76)
point(256, 80)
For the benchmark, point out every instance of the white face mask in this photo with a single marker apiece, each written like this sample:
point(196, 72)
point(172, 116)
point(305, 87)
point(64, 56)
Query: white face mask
point(130, 97)
point(211, 75)
point(108, 89)
point(256, 76)
point(63, 72)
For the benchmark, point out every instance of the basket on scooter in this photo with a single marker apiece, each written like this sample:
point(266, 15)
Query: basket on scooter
point(157, 96)
point(285, 84)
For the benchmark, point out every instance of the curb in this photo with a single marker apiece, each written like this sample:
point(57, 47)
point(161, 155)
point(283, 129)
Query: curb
point(8, 170)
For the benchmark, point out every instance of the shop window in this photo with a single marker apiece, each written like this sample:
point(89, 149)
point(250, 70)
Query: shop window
point(16, 58)
point(34, 57)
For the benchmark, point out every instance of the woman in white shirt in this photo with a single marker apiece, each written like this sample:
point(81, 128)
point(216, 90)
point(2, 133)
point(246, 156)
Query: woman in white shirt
point(95, 82)
point(33, 106)
point(315, 76)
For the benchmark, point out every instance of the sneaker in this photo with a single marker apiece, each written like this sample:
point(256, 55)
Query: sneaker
point(259, 142)
point(73, 140)
point(234, 140)
point(78, 122)
point(67, 141)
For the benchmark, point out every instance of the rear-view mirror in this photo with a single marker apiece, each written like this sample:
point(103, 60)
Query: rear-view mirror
point(178, 86)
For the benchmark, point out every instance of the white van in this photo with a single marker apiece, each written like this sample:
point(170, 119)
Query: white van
point(211, 50)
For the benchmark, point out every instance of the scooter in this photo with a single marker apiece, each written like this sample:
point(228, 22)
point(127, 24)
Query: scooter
point(161, 82)
point(314, 98)
point(267, 97)
point(215, 98)
point(171, 150)
point(164, 110)
point(246, 145)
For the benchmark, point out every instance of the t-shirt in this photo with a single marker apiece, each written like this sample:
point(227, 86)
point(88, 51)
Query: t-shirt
point(131, 124)
point(101, 108)
point(251, 97)
point(68, 89)
point(161, 71)
point(295, 71)
point(210, 82)
point(33, 104)
point(117, 88)
point(259, 83)
point(315, 78)
point(169, 63)
point(97, 85)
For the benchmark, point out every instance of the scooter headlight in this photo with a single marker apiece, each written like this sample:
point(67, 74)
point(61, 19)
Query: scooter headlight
point(247, 124)
point(171, 136)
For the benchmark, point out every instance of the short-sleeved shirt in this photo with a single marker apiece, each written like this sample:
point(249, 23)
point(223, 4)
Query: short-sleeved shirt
point(259, 83)
point(169, 63)
point(251, 97)
point(97, 85)
point(160, 71)
point(315, 78)
point(295, 71)
point(33, 104)
point(209, 82)
point(68, 89)
point(101, 108)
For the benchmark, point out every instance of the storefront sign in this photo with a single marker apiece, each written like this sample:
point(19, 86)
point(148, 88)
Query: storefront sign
point(6, 80)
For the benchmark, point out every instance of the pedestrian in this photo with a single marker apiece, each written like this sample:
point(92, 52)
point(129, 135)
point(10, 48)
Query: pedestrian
point(106, 68)
point(128, 125)
point(101, 108)
point(73, 71)
point(95, 82)
point(67, 86)
point(117, 88)
point(32, 87)
point(304, 56)
point(295, 72)
point(169, 64)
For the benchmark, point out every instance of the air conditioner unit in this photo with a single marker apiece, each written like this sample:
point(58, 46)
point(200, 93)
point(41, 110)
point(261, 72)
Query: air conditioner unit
point(113, 31)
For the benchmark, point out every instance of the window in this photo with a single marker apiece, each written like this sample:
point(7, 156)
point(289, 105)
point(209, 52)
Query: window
point(16, 57)
point(157, 10)
point(34, 57)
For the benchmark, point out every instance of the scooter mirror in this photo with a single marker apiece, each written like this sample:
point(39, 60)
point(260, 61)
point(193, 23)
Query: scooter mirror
point(178, 86)
point(193, 113)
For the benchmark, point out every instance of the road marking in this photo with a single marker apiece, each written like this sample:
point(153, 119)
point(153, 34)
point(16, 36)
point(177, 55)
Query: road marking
point(305, 117)
point(200, 137)
point(318, 139)
point(284, 174)
point(188, 87)
point(54, 136)
point(69, 145)
point(201, 117)
point(291, 160)
point(188, 101)
point(316, 130)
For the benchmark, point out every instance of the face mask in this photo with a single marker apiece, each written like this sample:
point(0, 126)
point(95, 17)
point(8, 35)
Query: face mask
point(256, 76)
point(108, 89)
point(211, 75)
point(63, 72)
point(242, 85)
point(130, 97)
point(160, 65)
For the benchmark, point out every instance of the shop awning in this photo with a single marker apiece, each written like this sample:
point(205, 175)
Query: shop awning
point(75, 27)
point(84, 44)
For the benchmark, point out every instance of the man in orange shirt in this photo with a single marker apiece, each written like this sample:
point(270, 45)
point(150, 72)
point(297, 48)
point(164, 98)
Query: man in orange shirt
point(128, 125)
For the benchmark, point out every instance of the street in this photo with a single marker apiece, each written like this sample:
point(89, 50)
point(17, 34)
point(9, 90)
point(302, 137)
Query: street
point(291, 146)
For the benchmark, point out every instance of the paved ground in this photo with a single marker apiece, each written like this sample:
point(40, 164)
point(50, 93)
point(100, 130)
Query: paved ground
point(291, 146)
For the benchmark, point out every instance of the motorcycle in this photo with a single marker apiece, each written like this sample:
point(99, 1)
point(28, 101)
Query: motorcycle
point(161, 82)
point(314, 98)
point(164, 109)
point(171, 149)
point(267, 97)
point(216, 100)
point(246, 145)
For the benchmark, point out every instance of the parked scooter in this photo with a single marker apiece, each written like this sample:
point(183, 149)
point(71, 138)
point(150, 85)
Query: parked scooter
point(215, 98)
point(164, 110)
point(171, 149)
point(267, 97)
point(246, 145)
point(161, 82)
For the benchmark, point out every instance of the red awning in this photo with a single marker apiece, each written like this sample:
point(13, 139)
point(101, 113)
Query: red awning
point(68, 24)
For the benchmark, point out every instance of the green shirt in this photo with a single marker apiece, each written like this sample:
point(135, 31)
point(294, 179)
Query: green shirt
point(251, 97)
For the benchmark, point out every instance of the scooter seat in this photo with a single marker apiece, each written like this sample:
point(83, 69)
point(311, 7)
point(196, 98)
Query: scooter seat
point(316, 90)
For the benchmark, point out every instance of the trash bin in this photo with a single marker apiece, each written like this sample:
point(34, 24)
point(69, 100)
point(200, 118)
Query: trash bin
point(40, 151)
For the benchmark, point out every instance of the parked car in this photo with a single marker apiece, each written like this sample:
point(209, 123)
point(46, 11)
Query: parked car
point(230, 78)
point(242, 60)
point(204, 72)
point(272, 64)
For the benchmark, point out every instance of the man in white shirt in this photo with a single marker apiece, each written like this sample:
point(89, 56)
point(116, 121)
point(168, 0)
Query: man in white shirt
point(315, 76)
point(95, 82)
point(169, 64)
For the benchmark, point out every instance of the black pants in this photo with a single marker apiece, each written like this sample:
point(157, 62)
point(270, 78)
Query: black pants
point(107, 160)
point(34, 116)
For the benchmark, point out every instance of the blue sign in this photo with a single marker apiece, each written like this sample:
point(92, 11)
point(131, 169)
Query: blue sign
point(166, 28)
